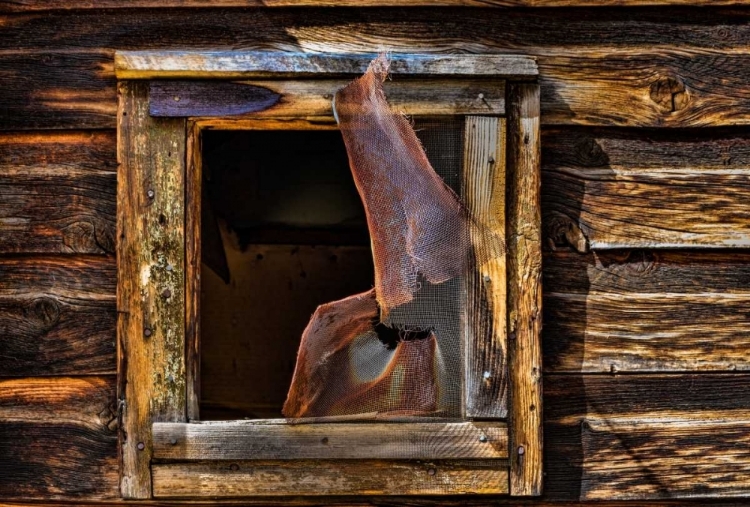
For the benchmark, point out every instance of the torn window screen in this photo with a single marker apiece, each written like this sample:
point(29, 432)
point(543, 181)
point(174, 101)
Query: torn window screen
point(394, 351)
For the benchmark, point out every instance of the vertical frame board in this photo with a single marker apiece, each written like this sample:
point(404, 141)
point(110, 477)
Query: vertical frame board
point(193, 189)
point(523, 240)
point(150, 279)
point(483, 190)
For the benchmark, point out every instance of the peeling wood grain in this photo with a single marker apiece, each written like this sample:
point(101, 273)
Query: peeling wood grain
point(647, 436)
point(57, 315)
point(315, 478)
point(58, 439)
point(150, 279)
point(237, 440)
point(628, 67)
point(524, 264)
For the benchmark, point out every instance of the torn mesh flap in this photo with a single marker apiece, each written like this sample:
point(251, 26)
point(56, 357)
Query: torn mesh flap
point(423, 242)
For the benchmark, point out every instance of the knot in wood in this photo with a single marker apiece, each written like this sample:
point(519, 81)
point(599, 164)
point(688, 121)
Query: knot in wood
point(45, 310)
point(589, 153)
point(641, 262)
point(669, 93)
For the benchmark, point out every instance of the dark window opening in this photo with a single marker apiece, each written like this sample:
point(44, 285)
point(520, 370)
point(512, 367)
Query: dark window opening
point(283, 231)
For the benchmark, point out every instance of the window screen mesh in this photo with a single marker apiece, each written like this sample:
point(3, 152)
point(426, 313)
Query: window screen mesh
point(396, 350)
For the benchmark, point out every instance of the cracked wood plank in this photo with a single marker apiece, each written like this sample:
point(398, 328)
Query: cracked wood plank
point(58, 439)
point(57, 315)
point(150, 279)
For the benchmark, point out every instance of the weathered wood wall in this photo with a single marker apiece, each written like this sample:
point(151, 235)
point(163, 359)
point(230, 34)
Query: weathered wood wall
point(646, 145)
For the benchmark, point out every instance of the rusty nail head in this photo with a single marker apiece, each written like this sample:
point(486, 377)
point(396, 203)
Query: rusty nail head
point(482, 438)
point(141, 446)
point(521, 450)
point(487, 278)
point(491, 160)
point(431, 471)
point(150, 194)
point(146, 332)
point(167, 293)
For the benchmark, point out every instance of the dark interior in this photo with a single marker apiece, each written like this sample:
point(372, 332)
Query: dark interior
point(283, 230)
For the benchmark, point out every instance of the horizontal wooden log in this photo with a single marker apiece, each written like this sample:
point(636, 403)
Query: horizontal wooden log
point(57, 192)
point(57, 315)
point(249, 440)
point(7, 6)
point(381, 501)
point(58, 439)
point(647, 436)
point(646, 311)
point(614, 188)
point(639, 67)
point(312, 98)
point(269, 64)
point(315, 478)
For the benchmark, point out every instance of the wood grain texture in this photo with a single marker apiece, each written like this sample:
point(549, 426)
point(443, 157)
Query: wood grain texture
point(207, 98)
point(150, 279)
point(313, 98)
point(233, 440)
point(7, 6)
point(57, 192)
point(57, 315)
point(315, 478)
point(627, 67)
point(58, 438)
point(270, 64)
point(646, 436)
point(483, 191)
point(389, 501)
point(524, 264)
point(612, 188)
point(641, 311)
point(193, 237)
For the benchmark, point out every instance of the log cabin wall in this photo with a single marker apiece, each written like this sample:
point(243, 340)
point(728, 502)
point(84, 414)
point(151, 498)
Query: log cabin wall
point(646, 184)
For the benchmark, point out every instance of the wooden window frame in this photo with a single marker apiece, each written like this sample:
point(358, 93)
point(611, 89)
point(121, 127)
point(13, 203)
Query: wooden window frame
point(166, 99)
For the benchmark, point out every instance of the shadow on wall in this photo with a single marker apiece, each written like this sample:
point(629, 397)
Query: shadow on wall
point(567, 155)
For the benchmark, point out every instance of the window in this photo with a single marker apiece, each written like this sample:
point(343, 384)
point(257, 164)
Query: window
point(175, 110)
